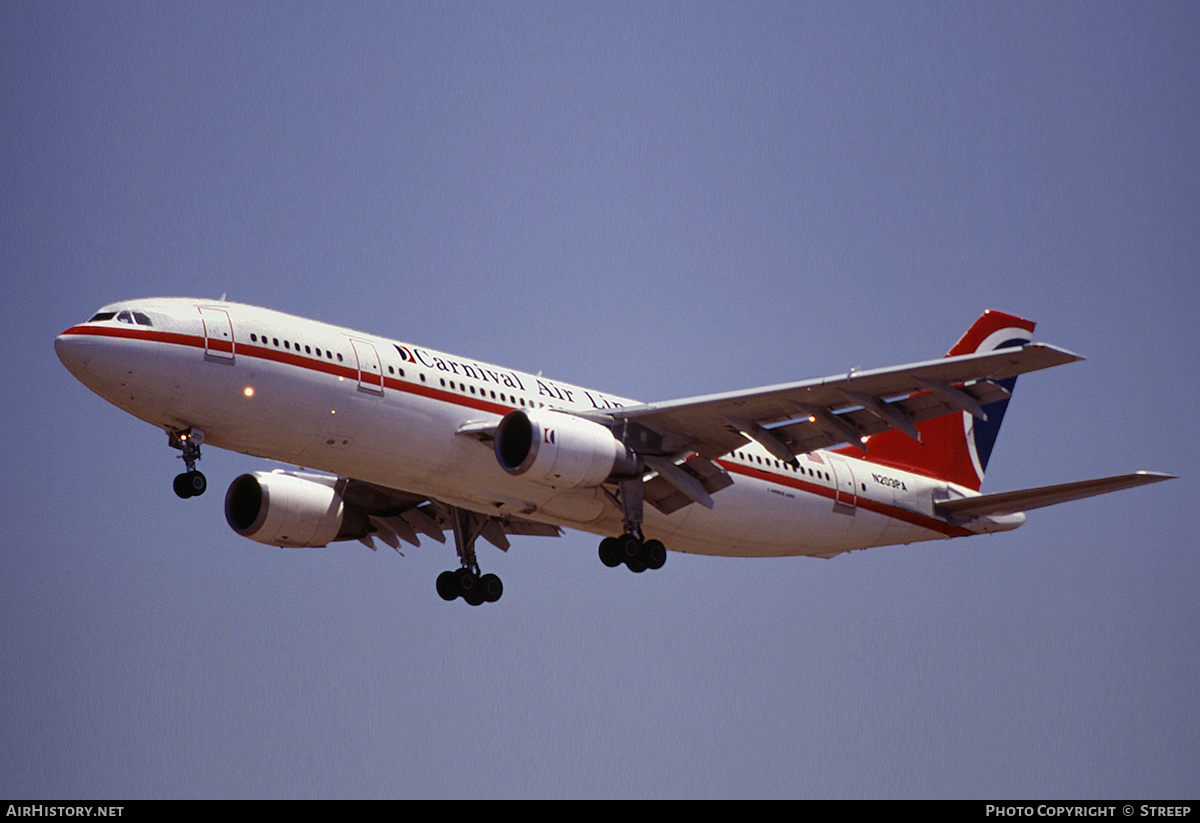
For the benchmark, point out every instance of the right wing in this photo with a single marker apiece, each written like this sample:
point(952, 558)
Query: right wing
point(796, 418)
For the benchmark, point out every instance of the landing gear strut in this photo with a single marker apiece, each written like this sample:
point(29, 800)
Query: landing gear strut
point(466, 582)
point(190, 483)
point(632, 548)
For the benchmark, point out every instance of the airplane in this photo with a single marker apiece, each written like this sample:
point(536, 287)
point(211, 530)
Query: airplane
point(400, 441)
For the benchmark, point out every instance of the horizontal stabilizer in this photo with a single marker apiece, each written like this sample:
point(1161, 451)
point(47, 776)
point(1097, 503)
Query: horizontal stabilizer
point(1023, 500)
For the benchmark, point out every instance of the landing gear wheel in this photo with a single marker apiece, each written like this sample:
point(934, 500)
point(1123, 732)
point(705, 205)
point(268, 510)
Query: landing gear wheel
point(465, 581)
point(198, 482)
point(447, 586)
point(637, 554)
point(491, 588)
point(628, 548)
point(608, 552)
point(468, 585)
point(190, 484)
point(655, 554)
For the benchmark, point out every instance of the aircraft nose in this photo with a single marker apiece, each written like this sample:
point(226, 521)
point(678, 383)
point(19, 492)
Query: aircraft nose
point(72, 351)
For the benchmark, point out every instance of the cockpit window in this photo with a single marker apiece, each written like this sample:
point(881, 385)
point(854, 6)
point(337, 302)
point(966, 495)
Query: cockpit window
point(125, 316)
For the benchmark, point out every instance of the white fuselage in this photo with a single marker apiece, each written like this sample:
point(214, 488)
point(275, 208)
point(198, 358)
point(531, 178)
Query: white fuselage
point(319, 396)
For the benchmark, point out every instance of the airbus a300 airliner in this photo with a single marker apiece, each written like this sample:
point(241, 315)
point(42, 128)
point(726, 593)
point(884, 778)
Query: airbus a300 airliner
point(401, 441)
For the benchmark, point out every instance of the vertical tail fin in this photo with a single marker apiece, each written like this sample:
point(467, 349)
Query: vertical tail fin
point(957, 447)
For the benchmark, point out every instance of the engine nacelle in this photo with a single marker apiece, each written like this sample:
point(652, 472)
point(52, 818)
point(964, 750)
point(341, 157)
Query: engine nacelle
point(282, 509)
point(560, 450)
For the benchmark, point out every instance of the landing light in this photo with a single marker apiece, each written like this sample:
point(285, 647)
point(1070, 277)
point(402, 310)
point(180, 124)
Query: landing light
point(248, 391)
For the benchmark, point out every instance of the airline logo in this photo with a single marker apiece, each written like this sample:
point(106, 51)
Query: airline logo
point(957, 447)
point(994, 330)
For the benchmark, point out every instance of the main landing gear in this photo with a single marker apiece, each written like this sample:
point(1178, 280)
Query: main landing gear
point(466, 582)
point(636, 553)
point(632, 548)
point(190, 483)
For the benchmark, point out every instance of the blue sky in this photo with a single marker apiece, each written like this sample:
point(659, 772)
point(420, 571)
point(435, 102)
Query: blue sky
point(655, 200)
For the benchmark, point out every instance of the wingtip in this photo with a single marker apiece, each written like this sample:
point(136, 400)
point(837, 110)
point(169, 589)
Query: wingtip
point(1071, 356)
point(1154, 477)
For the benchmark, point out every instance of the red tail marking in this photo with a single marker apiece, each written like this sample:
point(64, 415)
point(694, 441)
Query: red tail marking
point(945, 452)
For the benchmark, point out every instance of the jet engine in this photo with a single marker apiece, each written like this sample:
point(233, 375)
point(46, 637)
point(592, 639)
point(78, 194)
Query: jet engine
point(282, 509)
point(560, 450)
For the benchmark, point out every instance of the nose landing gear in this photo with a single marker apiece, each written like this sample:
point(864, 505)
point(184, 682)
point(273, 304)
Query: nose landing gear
point(190, 483)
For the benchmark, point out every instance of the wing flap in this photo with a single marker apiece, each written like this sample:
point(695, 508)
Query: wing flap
point(814, 432)
point(666, 494)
